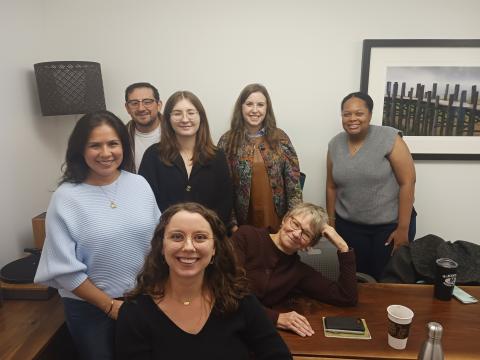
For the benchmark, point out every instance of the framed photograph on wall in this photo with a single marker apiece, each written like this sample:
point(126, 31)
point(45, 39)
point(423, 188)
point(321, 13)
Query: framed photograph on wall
point(429, 90)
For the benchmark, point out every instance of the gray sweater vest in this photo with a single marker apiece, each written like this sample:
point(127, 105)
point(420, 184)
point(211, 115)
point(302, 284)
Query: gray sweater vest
point(367, 190)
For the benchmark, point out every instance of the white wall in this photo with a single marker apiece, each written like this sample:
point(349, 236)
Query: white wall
point(306, 52)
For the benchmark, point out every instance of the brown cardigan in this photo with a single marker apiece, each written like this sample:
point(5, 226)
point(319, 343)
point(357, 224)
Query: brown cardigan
point(274, 275)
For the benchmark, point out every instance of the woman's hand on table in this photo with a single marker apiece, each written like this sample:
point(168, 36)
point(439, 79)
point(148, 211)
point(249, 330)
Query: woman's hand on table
point(295, 322)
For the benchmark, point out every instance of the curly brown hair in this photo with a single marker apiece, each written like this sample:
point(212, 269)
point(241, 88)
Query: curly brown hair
point(168, 147)
point(237, 135)
point(224, 278)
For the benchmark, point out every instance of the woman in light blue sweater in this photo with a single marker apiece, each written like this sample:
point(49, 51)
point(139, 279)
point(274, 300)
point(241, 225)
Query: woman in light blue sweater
point(98, 229)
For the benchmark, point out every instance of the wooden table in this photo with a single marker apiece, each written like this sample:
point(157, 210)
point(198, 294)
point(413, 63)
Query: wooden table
point(28, 326)
point(461, 324)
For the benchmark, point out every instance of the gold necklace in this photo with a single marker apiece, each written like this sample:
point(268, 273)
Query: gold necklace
point(113, 203)
point(355, 148)
point(186, 156)
point(186, 302)
point(189, 301)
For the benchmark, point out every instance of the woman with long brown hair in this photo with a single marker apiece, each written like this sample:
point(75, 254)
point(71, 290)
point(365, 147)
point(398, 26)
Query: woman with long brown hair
point(185, 165)
point(263, 162)
point(191, 300)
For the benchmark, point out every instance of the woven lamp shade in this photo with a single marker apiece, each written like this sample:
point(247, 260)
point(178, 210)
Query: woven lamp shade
point(69, 87)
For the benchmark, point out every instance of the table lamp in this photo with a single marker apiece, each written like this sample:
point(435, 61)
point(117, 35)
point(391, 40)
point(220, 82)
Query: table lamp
point(69, 87)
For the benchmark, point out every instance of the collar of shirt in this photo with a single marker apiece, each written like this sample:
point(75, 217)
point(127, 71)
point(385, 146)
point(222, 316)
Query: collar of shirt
point(259, 133)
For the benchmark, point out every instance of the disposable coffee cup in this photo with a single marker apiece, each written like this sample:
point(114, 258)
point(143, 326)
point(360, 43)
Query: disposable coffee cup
point(445, 278)
point(399, 320)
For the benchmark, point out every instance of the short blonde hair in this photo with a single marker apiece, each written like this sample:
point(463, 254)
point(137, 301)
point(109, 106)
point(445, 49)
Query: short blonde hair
point(319, 218)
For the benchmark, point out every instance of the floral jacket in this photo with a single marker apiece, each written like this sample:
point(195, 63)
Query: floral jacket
point(282, 168)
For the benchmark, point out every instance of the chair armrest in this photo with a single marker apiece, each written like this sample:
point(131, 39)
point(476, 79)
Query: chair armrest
point(365, 278)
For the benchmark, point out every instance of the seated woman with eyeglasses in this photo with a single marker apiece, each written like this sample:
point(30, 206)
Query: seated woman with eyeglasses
point(275, 270)
point(191, 299)
point(185, 165)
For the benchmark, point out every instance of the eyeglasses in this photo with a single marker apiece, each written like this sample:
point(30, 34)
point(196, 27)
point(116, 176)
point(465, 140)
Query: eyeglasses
point(295, 226)
point(145, 102)
point(177, 115)
point(196, 239)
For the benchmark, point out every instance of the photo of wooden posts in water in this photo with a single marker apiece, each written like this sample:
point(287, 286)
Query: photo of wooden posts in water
point(433, 100)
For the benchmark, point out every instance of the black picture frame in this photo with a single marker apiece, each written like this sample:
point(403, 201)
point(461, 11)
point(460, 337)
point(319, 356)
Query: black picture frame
point(447, 45)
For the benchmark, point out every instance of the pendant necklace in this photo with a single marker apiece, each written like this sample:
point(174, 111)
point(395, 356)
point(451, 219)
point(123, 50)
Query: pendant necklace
point(112, 201)
point(355, 148)
point(186, 302)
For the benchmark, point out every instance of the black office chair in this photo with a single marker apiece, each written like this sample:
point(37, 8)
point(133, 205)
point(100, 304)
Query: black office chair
point(323, 258)
point(21, 271)
point(303, 176)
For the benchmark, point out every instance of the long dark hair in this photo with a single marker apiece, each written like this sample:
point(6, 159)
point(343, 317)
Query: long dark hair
point(224, 278)
point(237, 134)
point(75, 169)
point(168, 147)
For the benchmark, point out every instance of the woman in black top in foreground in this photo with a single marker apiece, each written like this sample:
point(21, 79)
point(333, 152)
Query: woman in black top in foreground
point(191, 301)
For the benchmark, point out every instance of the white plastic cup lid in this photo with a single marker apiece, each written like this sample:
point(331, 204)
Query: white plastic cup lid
point(400, 314)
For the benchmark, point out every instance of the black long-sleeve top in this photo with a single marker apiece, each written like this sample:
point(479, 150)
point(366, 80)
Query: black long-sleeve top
point(145, 332)
point(209, 184)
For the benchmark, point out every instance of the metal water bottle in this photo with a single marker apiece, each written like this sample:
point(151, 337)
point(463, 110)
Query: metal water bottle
point(432, 347)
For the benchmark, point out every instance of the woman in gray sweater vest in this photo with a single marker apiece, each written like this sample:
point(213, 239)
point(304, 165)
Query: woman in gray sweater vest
point(370, 186)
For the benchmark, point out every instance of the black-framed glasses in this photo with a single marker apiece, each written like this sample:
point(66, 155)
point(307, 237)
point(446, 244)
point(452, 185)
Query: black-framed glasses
point(145, 102)
point(295, 225)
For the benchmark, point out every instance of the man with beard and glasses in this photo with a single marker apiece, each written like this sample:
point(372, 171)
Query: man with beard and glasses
point(142, 102)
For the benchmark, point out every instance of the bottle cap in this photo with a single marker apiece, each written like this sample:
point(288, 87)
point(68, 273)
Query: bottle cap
point(435, 330)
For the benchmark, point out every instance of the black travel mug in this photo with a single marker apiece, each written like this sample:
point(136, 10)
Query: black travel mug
point(445, 278)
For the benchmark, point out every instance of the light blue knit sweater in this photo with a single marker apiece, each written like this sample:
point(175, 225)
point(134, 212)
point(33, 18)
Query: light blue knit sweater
point(86, 238)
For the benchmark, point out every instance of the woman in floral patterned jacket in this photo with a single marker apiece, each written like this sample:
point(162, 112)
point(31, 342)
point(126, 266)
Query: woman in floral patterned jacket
point(262, 160)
